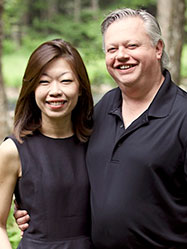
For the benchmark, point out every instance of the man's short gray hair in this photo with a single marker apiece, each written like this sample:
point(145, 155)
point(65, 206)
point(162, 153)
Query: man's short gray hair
point(151, 25)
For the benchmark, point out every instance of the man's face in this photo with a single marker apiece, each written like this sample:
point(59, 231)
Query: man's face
point(131, 58)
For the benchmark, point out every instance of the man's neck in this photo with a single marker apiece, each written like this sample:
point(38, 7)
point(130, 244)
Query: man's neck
point(136, 101)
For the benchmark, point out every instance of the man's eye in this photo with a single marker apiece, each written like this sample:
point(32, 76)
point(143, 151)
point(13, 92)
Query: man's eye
point(133, 45)
point(111, 50)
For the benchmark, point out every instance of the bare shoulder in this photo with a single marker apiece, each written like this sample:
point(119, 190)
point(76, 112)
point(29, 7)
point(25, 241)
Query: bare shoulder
point(9, 155)
point(8, 148)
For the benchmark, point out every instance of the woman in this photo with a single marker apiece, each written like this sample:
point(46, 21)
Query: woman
point(43, 162)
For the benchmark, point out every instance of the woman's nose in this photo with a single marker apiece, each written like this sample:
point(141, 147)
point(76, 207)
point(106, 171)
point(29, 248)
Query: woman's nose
point(55, 88)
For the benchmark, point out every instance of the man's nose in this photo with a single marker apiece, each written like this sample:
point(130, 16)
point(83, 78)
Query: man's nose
point(122, 53)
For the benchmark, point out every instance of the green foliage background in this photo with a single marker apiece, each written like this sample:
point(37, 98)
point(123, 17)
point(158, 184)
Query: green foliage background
point(84, 35)
point(22, 37)
point(13, 231)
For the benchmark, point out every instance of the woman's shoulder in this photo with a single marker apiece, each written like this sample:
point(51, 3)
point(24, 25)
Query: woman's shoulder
point(9, 156)
point(8, 147)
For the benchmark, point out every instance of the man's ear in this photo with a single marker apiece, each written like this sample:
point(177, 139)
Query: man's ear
point(159, 49)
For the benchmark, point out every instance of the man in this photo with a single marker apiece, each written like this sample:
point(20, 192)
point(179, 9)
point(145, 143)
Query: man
point(137, 153)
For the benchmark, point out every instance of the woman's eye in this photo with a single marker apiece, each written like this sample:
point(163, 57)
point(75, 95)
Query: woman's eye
point(43, 82)
point(65, 81)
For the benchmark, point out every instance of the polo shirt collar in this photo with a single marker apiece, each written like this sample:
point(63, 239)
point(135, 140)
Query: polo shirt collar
point(117, 103)
point(161, 104)
point(164, 99)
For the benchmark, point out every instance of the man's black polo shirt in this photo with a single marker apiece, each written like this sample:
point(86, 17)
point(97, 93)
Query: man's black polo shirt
point(138, 176)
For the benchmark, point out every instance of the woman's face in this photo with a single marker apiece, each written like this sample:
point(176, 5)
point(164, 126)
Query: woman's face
point(57, 92)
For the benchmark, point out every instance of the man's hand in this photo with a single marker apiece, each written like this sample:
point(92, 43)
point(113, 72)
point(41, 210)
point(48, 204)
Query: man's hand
point(22, 218)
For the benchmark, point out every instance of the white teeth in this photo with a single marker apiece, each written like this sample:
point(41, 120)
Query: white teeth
point(125, 67)
point(56, 103)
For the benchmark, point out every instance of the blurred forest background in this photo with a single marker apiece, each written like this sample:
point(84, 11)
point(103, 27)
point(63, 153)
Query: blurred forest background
point(24, 24)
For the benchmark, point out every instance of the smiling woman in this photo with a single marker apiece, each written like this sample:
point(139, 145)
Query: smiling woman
point(57, 95)
point(43, 162)
point(40, 61)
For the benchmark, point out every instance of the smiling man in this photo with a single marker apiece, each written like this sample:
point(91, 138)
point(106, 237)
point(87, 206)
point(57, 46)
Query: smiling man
point(137, 153)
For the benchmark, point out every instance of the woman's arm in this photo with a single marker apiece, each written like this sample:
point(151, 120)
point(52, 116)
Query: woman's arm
point(10, 170)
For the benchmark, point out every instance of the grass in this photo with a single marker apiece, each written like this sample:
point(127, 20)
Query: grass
point(13, 230)
point(13, 66)
point(184, 62)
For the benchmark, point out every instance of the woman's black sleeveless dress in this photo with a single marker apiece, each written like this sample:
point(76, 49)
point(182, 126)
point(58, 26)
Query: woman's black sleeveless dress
point(54, 189)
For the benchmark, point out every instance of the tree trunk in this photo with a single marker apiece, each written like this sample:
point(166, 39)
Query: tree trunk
point(171, 16)
point(4, 128)
point(77, 10)
point(95, 5)
point(95, 8)
point(52, 9)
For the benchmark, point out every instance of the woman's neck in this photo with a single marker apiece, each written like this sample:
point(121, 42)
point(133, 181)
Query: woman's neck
point(57, 129)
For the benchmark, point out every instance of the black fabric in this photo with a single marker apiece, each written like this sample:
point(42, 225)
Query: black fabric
point(54, 189)
point(138, 175)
